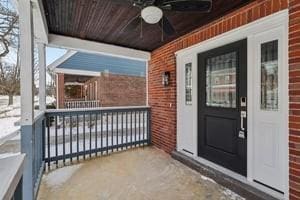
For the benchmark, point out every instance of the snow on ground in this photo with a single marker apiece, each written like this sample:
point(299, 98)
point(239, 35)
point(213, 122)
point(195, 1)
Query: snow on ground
point(232, 195)
point(87, 144)
point(207, 179)
point(50, 99)
point(58, 177)
point(87, 128)
point(4, 101)
point(10, 116)
point(5, 155)
point(8, 126)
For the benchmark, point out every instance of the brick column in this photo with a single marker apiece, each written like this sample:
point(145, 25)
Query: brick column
point(60, 90)
point(294, 94)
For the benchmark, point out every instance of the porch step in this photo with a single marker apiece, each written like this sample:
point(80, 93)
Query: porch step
point(244, 190)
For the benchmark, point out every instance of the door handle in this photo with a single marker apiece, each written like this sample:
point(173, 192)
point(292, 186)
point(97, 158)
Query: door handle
point(242, 131)
point(243, 116)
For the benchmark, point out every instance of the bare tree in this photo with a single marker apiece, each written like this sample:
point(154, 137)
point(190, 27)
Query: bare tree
point(9, 20)
point(9, 42)
point(9, 79)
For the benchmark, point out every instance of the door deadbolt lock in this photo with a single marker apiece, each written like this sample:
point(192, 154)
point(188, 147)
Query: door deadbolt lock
point(242, 134)
point(243, 101)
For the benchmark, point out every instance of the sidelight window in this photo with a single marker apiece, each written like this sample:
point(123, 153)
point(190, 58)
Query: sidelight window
point(188, 83)
point(269, 75)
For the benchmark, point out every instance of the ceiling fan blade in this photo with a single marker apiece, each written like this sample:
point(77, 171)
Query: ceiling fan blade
point(187, 5)
point(158, 2)
point(123, 2)
point(166, 26)
point(132, 24)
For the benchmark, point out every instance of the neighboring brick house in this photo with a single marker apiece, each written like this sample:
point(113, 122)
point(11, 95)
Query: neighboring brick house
point(89, 80)
point(117, 90)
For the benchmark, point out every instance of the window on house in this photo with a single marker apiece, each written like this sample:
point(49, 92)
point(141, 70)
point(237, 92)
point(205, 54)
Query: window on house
point(220, 88)
point(269, 75)
point(188, 83)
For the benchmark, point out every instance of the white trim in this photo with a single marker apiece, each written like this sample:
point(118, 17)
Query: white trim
point(236, 176)
point(26, 62)
point(60, 60)
point(42, 76)
point(97, 47)
point(77, 72)
point(247, 31)
point(38, 115)
point(147, 83)
point(73, 83)
point(257, 116)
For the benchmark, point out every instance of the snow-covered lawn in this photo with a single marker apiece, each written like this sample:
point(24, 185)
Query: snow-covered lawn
point(90, 143)
point(10, 116)
point(5, 155)
point(8, 128)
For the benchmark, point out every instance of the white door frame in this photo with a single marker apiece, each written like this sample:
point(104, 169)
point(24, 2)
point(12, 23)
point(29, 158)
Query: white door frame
point(279, 19)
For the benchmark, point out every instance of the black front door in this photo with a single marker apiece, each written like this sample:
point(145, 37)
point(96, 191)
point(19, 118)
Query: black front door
point(222, 106)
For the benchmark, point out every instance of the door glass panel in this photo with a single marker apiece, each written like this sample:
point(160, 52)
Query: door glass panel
point(221, 80)
point(188, 84)
point(269, 75)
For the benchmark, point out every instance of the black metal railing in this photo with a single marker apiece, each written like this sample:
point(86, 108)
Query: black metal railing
point(77, 134)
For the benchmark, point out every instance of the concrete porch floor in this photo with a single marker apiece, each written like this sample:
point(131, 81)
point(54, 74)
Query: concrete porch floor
point(143, 173)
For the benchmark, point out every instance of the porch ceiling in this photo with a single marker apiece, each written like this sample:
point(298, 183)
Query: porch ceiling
point(103, 21)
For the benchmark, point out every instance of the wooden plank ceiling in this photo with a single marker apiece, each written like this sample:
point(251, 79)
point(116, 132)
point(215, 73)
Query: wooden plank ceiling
point(104, 20)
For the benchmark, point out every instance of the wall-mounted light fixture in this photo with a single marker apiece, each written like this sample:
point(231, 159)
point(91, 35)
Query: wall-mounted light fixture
point(165, 78)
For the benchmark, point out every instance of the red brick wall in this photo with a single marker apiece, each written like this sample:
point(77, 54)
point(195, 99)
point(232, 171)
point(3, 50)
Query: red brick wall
point(60, 96)
point(294, 93)
point(119, 90)
point(163, 100)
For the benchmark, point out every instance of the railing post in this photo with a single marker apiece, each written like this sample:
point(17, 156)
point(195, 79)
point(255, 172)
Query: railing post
point(149, 126)
point(26, 82)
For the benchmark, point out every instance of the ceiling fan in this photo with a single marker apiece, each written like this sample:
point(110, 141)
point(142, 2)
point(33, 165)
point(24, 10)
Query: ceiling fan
point(152, 12)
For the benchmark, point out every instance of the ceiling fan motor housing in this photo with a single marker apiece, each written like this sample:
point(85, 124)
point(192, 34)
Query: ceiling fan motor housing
point(152, 14)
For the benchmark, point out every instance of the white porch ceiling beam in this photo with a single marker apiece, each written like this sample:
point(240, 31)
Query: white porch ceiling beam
point(76, 72)
point(96, 47)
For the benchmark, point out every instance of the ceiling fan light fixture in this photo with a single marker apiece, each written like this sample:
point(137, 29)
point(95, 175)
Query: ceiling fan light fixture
point(152, 14)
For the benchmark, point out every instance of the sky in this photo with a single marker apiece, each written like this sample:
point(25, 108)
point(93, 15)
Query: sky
point(53, 54)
